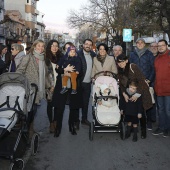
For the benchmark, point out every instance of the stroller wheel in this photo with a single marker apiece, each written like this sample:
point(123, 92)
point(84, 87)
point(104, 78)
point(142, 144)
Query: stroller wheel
point(91, 131)
point(122, 131)
point(34, 143)
point(18, 164)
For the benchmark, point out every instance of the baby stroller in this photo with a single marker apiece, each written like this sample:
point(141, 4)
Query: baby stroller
point(17, 100)
point(105, 110)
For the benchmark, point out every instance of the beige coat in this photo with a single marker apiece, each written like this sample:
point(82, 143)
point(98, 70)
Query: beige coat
point(109, 65)
point(30, 69)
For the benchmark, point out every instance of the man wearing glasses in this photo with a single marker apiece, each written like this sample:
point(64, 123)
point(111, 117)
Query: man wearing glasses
point(86, 56)
point(162, 88)
point(154, 48)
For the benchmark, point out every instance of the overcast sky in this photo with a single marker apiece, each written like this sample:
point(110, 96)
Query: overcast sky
point(56, 12)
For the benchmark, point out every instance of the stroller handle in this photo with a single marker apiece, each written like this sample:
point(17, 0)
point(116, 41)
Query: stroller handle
point(105, 73)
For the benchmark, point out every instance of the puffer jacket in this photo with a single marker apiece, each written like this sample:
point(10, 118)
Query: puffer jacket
point(145, 62)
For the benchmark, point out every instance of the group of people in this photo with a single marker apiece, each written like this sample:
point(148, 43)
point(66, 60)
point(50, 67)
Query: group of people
point(65, 76)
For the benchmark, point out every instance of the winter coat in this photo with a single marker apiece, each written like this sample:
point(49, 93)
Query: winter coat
point(83, 62)
point(30, 69)
point(59, 100)
point(143, 89)
point(145, 62)
point(132, 108)
point(108, 65)
point(162, 69)
point(73, 61)
point(17, 59)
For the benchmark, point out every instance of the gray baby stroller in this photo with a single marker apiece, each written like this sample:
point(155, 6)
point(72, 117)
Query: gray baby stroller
point(17, 109)
point(106, 113)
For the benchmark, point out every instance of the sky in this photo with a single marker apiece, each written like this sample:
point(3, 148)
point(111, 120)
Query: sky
point(56, 12)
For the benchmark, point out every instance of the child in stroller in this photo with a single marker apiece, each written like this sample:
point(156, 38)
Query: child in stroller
point(15, 115)
point(106, 113)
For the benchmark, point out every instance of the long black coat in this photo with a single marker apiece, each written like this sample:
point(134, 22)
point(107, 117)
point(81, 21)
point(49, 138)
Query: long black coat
point(59, 100)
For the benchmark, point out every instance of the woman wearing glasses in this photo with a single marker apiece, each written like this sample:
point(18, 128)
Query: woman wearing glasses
point(17, 52)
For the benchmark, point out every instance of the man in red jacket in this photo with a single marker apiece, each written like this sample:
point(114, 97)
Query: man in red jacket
point(162, 88)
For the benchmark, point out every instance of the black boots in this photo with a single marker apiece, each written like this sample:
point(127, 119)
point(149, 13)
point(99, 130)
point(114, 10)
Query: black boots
point(135, 137)
point(128, 132)
point(72, 128)
point(143, 133)
point(57, 130)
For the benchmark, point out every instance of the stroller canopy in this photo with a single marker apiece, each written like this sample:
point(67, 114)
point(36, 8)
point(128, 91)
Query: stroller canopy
point(15, 78)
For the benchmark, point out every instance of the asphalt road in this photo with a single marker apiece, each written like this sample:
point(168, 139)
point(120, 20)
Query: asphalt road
point(106, 152)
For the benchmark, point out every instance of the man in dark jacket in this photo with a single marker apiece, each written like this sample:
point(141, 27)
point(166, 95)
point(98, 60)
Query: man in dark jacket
point(86, 56)
point(144, 59)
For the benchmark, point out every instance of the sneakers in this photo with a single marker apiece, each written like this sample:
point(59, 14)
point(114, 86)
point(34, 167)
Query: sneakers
point(85, 122)
point(73, 92)
point(158, 131)
point(165, 133)
point(149, 125)
point(64, 90)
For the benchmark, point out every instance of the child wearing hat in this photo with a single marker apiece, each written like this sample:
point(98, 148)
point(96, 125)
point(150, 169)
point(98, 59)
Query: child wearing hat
point(105, 91)
point(72, 59)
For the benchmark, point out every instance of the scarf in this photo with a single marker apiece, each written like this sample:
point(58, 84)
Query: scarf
point(130, 93)
point(101, 59)
point(140, 52)
point(13, 65)
point(41, 66)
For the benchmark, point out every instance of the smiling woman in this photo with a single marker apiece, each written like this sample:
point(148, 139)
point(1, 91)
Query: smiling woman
point(103, 62)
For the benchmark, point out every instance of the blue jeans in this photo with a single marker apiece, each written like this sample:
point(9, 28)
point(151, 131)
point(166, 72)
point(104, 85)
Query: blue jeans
point(164, 112)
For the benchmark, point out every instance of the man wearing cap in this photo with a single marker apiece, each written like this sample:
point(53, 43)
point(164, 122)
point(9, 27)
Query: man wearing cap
point(144, 59)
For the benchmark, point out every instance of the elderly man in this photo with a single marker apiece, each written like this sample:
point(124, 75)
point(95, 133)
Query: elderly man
point(144, 59)
point(117, 50)
point(154, 48)
point(162, 88)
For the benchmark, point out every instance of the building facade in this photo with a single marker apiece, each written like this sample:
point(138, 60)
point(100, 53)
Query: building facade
point(29, 12)
point(2, 26)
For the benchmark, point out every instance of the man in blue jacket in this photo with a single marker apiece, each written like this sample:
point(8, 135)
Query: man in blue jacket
point(145, 61)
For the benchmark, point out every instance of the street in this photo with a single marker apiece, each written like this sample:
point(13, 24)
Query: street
point(106, 152)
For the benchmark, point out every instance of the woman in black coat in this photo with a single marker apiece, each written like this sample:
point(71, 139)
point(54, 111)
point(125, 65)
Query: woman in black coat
point(59, 100)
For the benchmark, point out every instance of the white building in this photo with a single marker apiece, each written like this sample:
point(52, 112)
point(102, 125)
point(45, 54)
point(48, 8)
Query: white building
point(2, 26)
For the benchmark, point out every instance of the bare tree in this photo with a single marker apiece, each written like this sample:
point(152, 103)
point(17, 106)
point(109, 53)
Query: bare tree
point(152, 15)
point(107, 15)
